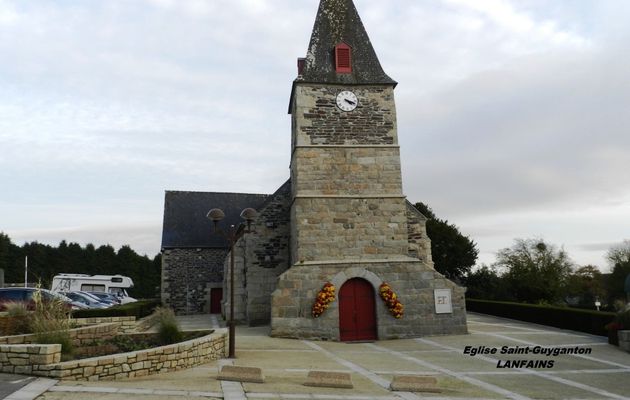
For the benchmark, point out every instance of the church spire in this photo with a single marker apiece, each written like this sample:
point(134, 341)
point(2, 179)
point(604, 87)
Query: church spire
point(337, 27)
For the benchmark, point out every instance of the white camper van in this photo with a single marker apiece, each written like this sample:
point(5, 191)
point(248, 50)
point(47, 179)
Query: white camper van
point(114, 284)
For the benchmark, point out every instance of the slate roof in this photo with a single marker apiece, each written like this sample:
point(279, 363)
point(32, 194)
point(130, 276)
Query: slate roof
point(185, 223)
point(338, 21)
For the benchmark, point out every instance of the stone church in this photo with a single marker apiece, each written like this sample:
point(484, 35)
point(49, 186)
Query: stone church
point(337, 252)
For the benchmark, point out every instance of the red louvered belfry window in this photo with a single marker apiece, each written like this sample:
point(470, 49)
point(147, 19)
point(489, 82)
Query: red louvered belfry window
point(343, 58)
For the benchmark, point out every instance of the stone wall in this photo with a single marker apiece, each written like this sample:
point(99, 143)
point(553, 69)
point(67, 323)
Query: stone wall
point(186, 274)
point(24, 359)
point(125, 324)
point(343, 171)
point(321, 122)
point(43, 360)
point(79, 336)
point(413, 282)
point(419, 242)
point(259, 258)
point(349, 228)
point(267, 250)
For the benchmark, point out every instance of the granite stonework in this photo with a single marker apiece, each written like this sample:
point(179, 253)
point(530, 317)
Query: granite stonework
point(342, 214)
point(321, 123)
point(18, 355)
point(188, 275)
point(413, 282)
point(419, 242)
point(260, 257)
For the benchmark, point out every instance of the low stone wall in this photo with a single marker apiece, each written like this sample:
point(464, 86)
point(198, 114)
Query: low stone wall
point(126, 324)
point(624, 340)
point(79, 336)
point(44, 360)
point(140, 363)
point(25, 358)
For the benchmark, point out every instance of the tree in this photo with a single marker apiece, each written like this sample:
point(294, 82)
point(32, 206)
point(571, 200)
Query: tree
point(5, 244)
point(453, 253)
point(619, 259)
point(535, 271)
point(45, 261)
point(485, 283)
point(586, 286)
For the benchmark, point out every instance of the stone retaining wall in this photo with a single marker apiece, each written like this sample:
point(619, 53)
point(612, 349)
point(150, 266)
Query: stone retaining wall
point(79, 336)
point(44, 360)
point(24, 358)
point(126, 324)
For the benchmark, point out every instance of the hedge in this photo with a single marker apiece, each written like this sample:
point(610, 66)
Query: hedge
point(588, 321)
point(137, 309)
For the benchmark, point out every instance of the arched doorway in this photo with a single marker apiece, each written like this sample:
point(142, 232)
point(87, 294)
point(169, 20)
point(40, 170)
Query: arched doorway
point(357, 311)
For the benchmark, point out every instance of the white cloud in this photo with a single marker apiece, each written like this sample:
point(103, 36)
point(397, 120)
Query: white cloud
point(504, 15)
point(514, 108)
point(8, 13)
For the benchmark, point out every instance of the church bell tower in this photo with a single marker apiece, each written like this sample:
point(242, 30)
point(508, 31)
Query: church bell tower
point(351, 227)
point(348, 202)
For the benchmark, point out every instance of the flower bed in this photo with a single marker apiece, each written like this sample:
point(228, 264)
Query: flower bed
point(19, 355)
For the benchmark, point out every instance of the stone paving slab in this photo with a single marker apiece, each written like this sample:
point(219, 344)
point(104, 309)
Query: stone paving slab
point(32, 390)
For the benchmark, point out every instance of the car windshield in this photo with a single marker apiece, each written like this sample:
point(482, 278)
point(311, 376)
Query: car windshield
point(63, 298)
point(90, 295)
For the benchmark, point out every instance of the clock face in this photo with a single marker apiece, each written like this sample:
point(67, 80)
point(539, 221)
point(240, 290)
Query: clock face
point(347, 101)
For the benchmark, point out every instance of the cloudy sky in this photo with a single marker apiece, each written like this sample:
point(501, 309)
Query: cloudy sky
point(514, 115)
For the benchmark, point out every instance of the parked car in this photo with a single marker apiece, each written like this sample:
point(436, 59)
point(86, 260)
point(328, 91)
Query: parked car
point(84, 299)
point(108, 303)
point(106, 296)
point(26, 295)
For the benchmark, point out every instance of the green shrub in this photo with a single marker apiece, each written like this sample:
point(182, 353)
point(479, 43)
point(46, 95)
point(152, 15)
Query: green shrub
point(169, 333)
point(588, 321)
point(138, 309)
point(167, 326)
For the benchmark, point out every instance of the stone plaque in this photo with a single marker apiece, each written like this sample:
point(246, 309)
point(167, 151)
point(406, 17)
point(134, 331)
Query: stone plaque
point(443, 304)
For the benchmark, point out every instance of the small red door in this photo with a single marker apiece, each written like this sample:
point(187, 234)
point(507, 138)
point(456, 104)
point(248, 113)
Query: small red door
point(357, 311)
point(216, 295)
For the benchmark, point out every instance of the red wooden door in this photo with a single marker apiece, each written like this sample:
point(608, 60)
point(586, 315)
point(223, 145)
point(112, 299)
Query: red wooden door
point(357, 311)
point(216, 295)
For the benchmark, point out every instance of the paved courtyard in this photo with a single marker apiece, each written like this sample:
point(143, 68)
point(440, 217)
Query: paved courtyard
point(602, 373)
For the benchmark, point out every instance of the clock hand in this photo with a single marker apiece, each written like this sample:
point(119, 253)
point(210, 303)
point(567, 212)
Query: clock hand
point(350, 102)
